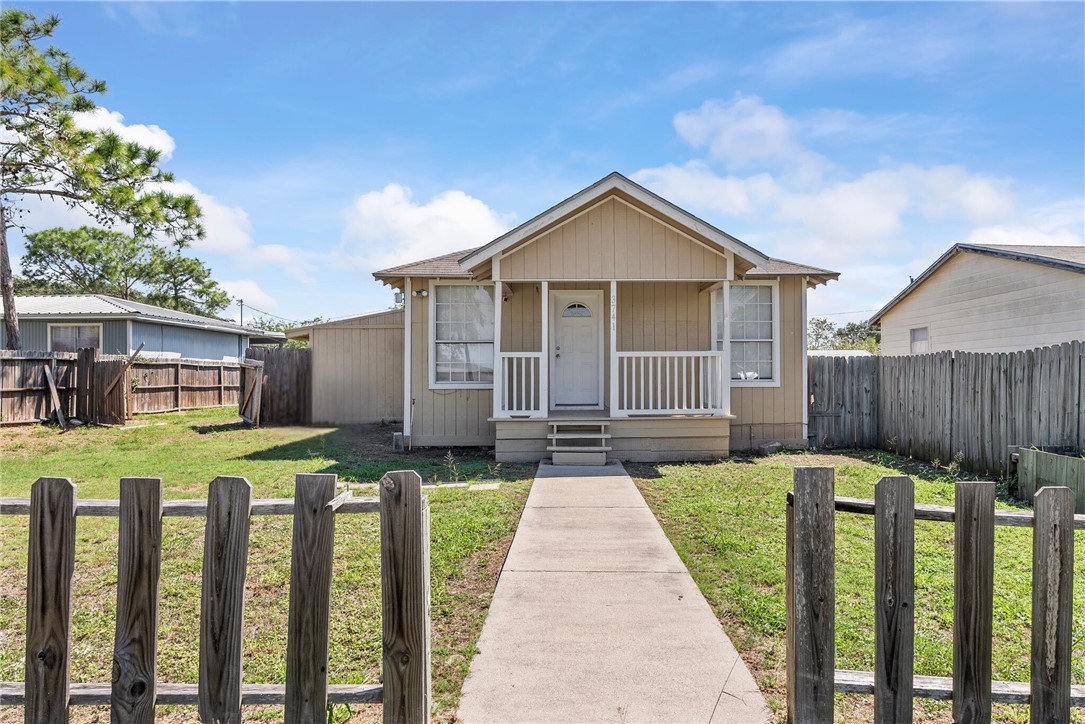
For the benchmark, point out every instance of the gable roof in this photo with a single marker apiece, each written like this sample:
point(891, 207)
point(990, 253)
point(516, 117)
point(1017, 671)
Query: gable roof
point(103, 305)
point(1068, 258)
point(612, 184)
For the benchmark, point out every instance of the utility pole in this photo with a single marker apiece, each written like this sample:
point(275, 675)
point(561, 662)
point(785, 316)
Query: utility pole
point(241, 303)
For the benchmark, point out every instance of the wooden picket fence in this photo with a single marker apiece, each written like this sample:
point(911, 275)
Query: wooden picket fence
point(812, 677)
point(53, 509)
point(972, 406)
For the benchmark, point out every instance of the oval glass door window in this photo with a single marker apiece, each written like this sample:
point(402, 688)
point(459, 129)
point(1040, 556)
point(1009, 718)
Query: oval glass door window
point(576, 310)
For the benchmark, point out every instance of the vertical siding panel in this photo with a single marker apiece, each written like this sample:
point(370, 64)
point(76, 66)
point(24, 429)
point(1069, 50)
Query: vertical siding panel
point(595, 243)
point(606, 221)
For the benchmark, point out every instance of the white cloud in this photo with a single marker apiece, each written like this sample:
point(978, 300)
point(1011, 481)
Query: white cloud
point(251, 292)
point(102, 119)
point(388, 227)
point(696, 184)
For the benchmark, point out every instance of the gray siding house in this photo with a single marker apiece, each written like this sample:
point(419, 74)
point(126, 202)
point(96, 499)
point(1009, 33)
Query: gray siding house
point(64, 323)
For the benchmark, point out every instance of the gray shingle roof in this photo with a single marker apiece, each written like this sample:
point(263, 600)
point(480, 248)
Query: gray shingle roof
point(784, 268)
point(446, 265)
point(102, 305)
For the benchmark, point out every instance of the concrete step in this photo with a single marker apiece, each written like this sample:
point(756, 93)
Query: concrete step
point(577, 448)
point(566, 457)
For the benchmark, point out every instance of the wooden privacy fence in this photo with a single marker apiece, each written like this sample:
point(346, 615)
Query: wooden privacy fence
point(286, 384)
point(53, 509)
point(1037, 468)
point(24, 389)
point(108, 388)
point(811, 674)
point(941, 406)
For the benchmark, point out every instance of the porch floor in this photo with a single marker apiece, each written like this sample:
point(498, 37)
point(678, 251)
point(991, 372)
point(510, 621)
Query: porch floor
point(595, 618)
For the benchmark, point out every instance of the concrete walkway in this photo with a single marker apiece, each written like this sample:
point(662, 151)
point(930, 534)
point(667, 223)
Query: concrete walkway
point(595, 619)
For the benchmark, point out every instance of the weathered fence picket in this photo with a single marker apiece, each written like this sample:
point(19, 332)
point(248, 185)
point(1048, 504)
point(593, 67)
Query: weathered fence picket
point(810, 531)
point(1052, 604)
point(138, 567)
point(973, 596)
point(894, 598)
point(50, 566)
point(53, 509)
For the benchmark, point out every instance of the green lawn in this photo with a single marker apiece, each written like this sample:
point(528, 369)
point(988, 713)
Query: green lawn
point(470, 533)
point(727, 523)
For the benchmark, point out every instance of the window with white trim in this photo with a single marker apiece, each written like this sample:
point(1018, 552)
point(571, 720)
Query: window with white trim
point(754, 335)
point(463, 335)
point(919, 340)
point(73, 337)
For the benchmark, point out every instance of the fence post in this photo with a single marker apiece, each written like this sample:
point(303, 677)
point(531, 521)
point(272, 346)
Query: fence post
point(973, 595)
point(50, 565)
point(894, 598)
point(138, 565)
point(1052, 603)
point(310, 599)
point(225, 557)
point(811, 655)
point(405, 598)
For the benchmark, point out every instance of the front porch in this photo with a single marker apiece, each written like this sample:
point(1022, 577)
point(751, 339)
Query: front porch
point(619, 369)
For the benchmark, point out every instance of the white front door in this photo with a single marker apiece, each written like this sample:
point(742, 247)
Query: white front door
point(576, 348)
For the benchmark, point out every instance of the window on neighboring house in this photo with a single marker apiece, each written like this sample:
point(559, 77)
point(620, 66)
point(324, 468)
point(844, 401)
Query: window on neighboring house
point(920, 340)
point(463, 335)
point(754, 333)
point(73, 337)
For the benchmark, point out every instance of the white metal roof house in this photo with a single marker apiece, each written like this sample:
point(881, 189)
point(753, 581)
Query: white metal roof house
point(64, 323)
point(989, 298)
point(613, 324)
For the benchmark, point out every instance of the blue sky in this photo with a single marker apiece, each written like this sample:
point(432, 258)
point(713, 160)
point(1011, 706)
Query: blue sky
point(326, 141)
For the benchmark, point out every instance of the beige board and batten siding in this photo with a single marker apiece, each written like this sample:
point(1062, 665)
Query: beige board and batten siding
point(613, 241)
point(978, 303)
point(767, 414)
point(358, 369)
point(449, 416)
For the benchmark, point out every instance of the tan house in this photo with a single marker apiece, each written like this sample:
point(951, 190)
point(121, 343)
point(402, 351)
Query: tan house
point(989, 298)
point(613, 324)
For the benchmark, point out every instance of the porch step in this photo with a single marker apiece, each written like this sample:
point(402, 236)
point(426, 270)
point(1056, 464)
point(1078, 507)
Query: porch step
point(579, 458)
point(578, 442)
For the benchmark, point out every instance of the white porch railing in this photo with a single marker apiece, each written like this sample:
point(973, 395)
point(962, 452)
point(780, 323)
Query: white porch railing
point(518, 384)
point(672, 383)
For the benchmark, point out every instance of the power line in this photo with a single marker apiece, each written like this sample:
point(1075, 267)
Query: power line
point(269, 314)
point(836, 314)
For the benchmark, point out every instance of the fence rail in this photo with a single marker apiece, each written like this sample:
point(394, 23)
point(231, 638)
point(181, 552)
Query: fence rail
point(53, 510)
point(967, 405)
point(811, 560)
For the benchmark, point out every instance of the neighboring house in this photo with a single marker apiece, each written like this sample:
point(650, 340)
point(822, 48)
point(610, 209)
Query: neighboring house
point(64, 323)
point(613, 323)
point(357, 368)
point(989, 298)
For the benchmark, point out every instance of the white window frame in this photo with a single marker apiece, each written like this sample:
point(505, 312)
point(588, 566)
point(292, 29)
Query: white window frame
point(727, 342)
point(431, 363)
point(911, 342)
point(50, 325)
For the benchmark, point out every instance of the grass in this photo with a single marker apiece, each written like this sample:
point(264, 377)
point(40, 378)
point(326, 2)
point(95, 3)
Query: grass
point(470, 532)
point(727, 523)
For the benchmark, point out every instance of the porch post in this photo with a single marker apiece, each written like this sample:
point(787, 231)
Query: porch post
point(544, 351)
point(499, 366)
point(614, 348)
point(408, 333)
point(725, 373)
